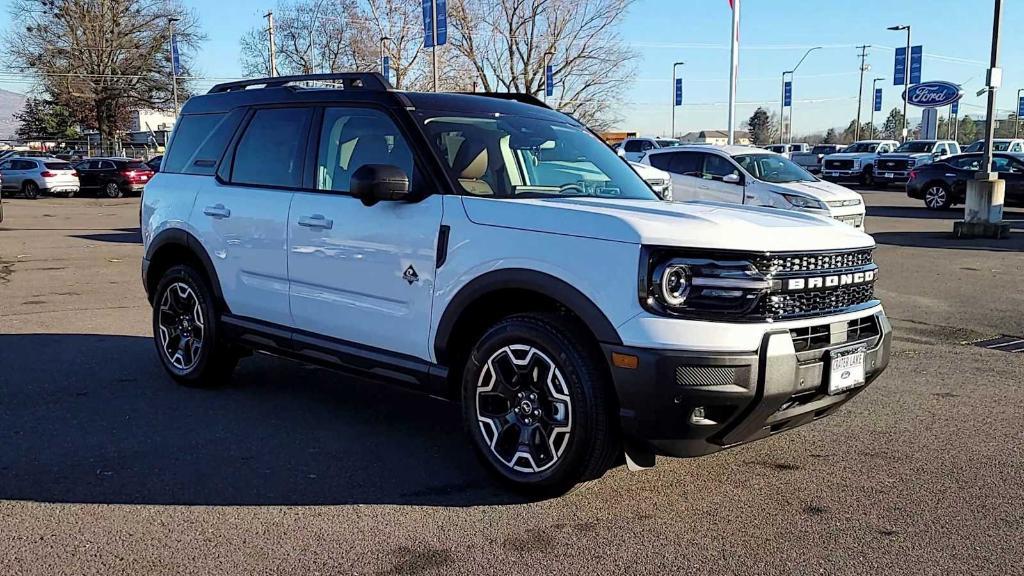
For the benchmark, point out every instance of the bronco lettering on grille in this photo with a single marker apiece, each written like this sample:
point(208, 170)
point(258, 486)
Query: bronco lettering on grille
point(818, 282)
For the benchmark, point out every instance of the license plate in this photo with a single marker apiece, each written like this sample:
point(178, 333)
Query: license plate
point(847, 371)
point(886, 174)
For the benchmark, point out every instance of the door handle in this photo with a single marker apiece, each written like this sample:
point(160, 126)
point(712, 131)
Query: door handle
point(217, 211)
point(316, 221)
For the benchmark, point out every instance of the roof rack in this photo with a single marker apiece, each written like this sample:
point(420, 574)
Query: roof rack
point(348, 81)
point(514, 96)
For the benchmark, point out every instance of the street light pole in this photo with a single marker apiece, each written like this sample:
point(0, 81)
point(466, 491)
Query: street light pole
point(792, 77)
point(674, 66)
point(906, 79)
point(874, 90)
point(174, 69)
point(1016, 116)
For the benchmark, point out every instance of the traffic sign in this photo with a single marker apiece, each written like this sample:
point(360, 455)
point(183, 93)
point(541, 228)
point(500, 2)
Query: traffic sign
point(679, 91)
point(916, 54)
point(899, 74)
point(878, 99)
point(549, 80)
point(787, 95)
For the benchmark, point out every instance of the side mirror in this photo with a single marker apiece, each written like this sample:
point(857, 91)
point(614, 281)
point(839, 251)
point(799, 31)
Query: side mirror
point(733, 178)
point(621, 152)
point(374, 183)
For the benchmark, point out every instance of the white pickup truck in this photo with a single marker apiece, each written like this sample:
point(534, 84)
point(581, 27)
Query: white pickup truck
point(811, 160)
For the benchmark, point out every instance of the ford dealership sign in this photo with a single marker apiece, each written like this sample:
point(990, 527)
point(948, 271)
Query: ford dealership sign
point(932, 94)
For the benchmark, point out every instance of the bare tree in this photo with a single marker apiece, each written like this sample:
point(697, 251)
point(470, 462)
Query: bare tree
point(100, 58)
point(311, 36)
point(508, 43)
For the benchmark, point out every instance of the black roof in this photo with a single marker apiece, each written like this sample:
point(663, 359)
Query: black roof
point(362, 87)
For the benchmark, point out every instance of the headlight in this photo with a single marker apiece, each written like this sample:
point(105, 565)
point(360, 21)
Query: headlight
point(699, 286)
point(804, 202)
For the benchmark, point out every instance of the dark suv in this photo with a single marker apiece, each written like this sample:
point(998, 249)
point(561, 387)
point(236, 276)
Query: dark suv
point(113, 177)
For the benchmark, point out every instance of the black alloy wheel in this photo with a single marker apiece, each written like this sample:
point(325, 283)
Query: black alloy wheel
point(112, 190)
point(30, 189)
point(937, 197)
point(185, 330)
point(537, 405)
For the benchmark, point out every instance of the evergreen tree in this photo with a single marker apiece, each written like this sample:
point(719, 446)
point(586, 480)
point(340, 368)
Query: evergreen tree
point(43, 119)
point(893, 127)
point(760, 126)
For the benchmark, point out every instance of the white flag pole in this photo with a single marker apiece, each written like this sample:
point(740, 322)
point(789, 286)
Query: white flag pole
point(734, 70)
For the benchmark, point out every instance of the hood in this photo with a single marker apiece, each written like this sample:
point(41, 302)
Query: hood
point(708, 225)
point(905, 155)
point(850, 155)
point(821, 190)
point(650, 172)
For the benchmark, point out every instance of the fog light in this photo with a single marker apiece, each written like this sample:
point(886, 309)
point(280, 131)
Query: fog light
point(698, 418)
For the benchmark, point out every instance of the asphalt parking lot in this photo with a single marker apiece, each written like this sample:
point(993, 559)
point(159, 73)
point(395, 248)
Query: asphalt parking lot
point(106, 467)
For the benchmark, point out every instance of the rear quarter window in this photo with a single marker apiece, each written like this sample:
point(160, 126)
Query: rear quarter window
point(191, 135)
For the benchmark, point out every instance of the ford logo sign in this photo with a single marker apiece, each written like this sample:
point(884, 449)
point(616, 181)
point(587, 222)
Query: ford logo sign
point(932, 94)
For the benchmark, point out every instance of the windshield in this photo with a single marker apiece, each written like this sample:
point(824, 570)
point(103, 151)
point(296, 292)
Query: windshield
point(502, 156)
point(773, 168)
point(861, 147)
point(823, 149)
point(667, 143)
point(916, 147)
point(58, 166)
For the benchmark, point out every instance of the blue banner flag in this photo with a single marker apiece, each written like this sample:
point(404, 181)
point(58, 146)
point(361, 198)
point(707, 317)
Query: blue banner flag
point(175, 55)
point(787, 97)
point(549, 80)
point(1020, 106)
point(679, 92)
point(899, 75)
point(916, 54)
point(428, 23)
point(385, 68)
point(442, 22)
point(878, 99)
point(954, 108)
point(429, 39)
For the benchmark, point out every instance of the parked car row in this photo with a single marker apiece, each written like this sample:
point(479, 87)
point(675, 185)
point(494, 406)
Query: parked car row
point(110, 177)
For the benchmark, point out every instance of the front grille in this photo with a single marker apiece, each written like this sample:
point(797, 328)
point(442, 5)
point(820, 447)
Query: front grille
point(839, 164)
point(835, 261)
point(892, 165)
point(817, 302)
point(821, 336)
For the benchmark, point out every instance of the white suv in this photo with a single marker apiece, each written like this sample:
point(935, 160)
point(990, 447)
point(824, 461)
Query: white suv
point(748, 175)
point(490, 250)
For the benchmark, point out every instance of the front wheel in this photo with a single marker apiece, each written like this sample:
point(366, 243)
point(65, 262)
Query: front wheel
point(112, 190)
point(937, 197)
point(538, 406)
point(185, 330)
point(867, 177)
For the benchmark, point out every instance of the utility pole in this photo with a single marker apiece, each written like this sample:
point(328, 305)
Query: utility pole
point(860, 91)
point(273, 52)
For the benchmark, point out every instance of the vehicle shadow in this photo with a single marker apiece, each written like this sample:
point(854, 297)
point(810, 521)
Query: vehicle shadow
point(91, 418)
point(946, 240)
point(124, 236)
point(1014, 215)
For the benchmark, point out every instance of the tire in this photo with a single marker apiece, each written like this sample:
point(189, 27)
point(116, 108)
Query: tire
point(540, 436)
point(30, 190)
point(184, 313)
point(69, 194)
point(867, 177)
point(112, 190)
point(937, 196)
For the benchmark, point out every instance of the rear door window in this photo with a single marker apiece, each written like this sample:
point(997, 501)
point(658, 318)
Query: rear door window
point(58, 166)
point(271, 152)
point(189, 134)
point(687, 163)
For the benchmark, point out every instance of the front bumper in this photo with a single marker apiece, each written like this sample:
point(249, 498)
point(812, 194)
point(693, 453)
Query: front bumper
point(892, 177)
point(840, 175)
point(743, 396)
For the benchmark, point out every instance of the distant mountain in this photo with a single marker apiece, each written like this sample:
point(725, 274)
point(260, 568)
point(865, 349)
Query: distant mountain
point(10, 104)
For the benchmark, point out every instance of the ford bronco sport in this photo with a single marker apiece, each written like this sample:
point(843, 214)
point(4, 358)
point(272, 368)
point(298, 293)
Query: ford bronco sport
point(486, 248)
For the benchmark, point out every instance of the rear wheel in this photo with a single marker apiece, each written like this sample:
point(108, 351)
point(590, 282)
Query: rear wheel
point(537, 405)
point(30, 189)
point(937, 197)
point(186, 331)
point(112, 190)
